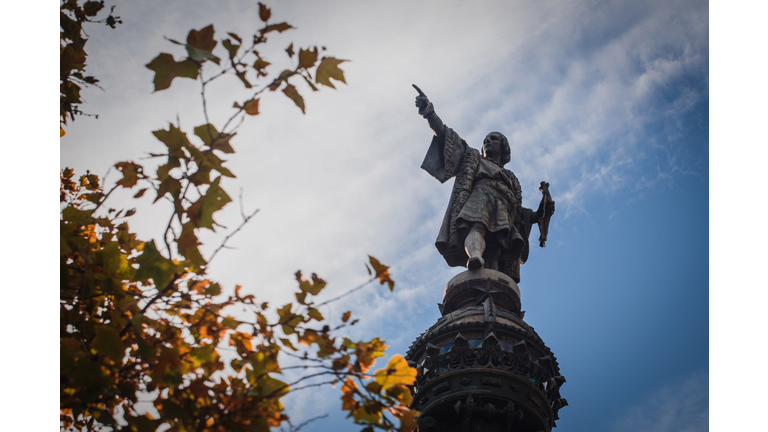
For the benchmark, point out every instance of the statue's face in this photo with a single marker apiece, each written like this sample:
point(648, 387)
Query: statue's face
point(492, 145)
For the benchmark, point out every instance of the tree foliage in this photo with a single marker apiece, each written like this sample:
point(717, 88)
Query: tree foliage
point(72, 54)
point(142, 317)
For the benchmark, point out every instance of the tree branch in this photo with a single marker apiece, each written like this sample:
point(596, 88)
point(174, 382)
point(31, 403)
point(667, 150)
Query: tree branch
point(245, 221)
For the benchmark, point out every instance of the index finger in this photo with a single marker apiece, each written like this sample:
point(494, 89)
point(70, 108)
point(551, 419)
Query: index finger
point(421, 93)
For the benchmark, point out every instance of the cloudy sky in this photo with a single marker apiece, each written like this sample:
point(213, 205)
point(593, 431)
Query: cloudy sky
point(608, 101)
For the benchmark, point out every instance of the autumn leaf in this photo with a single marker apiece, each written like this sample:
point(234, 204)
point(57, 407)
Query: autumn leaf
point(166, 69)
point(252, 107)
point(131, 173)
point(345, 317)
point(307, 58)
point(231, 49)
point(294, 95)
point(279, 27)
point(201, 211)
point(314, 287)
point(407, 418)
point(397, 372)
point(382, 273)
point(264, 12)
point(329, 68)
point(259, 65)
point(235, 37)
point(202, 39)
point(241, 75)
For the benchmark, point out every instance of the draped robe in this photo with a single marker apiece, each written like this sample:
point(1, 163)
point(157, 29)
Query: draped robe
point(482, 192)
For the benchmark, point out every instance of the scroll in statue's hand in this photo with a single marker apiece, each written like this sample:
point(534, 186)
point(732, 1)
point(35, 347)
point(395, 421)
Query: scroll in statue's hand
point(422, 101)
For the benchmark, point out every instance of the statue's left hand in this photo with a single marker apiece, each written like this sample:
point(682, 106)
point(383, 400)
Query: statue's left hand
point(544, 188)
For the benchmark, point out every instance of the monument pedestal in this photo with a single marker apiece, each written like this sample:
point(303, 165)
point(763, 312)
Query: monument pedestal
point(481, 367)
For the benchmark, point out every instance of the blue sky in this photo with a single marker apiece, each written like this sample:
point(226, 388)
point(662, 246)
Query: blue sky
point(608, 101)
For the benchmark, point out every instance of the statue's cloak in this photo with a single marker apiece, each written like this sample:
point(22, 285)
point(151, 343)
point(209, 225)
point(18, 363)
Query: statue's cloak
point(450, 156)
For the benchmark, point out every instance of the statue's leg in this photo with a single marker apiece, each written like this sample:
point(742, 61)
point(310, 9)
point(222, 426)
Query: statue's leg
point(491, 256)
point(474, 245)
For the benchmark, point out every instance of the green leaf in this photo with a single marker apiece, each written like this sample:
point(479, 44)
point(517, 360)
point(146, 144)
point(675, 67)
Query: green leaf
point(79, 217)
point(315, 314)
point(166, 69)
point(169, 185)
point(188, 245)
point(213, 289)
point(199, 55)
point(108, 343)
point(252, 107)
point(175, 140)
point(142, 424)
point(329, 68)
point(294, 95)
point(201, 212)
point(205, 132)
point(220, 141)
point(154, 266)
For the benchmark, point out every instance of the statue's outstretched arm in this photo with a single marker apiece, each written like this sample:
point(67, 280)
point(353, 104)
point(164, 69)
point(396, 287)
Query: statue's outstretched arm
point(427, 110)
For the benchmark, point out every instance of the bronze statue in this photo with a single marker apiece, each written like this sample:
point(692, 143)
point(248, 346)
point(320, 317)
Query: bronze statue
point(485, 224)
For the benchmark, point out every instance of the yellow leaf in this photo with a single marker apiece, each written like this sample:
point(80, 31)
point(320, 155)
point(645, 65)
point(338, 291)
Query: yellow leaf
point(396, 372)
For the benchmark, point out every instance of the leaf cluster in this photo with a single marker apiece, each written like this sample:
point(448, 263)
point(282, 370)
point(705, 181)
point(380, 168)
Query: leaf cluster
point(141, 317)
point(72, 56)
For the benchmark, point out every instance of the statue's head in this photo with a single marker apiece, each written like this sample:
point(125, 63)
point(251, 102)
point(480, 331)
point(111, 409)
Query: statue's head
point(496, 143)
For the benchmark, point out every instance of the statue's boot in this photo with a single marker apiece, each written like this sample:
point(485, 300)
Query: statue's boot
point(475, 263)
point(474, 245)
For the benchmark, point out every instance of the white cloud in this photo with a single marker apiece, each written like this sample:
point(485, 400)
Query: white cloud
point(572, 84)
point(682, 406)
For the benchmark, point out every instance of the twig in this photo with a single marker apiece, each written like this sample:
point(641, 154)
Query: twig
point(308, 422)
point(153, 299)
point(274, 81)
point(104, 199)
point(359, 287)
point(245, 221)
point(242, 211)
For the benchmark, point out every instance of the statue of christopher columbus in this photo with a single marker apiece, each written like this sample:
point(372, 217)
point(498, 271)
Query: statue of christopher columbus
point(485, 225)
